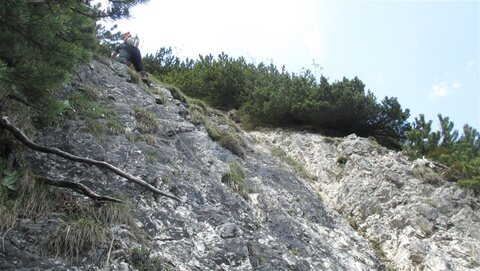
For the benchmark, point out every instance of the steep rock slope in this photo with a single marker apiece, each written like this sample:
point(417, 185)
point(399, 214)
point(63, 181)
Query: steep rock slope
point(415, 220)
point(277, 223)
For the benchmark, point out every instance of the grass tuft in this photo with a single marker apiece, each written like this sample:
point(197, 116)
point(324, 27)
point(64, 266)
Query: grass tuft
point(134, 76)
point(76, 236)
point(140, 259)
point(86, 228)
point(236, 179)
point(298, 167)
point(224, 138)
point(99, 117)
point(177, 93)
point(428, 175)
point(29, 200)
point(146, 120)
point(135, 137)
point(231, 143)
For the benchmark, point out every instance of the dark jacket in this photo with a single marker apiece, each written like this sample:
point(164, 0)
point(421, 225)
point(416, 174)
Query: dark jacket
point(128, 53)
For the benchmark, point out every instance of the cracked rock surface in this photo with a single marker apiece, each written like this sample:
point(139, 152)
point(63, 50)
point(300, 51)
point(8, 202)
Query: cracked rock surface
point(417, 225)
point(279, 223)
point(363, 207)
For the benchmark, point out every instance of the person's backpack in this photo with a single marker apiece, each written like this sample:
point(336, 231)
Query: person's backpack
point(133, 41)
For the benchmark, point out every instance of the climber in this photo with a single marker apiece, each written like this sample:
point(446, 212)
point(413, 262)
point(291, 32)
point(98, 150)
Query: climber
point(128, 52)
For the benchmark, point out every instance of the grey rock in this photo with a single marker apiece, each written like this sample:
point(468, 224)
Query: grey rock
point(415, 224)
point(229, 230)
point(282, 224)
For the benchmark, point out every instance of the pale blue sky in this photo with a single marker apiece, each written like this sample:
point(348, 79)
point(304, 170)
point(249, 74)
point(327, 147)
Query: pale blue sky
point(426, 53)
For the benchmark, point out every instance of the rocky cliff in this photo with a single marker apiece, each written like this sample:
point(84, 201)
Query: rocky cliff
point(334, 204)
point(406, 210)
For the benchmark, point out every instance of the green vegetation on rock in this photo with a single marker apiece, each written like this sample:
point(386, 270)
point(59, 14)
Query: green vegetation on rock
point(461, 154)
point(236, 178)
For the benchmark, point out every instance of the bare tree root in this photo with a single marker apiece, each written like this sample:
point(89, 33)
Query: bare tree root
point(19, 135)
point(77, 187)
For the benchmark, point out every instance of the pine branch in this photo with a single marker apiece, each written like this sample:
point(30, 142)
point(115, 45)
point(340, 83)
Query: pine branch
point(21, 100)
point(21, 33)
point(19, 135)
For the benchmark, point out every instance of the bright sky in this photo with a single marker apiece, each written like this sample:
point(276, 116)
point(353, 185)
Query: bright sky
point(426, 53)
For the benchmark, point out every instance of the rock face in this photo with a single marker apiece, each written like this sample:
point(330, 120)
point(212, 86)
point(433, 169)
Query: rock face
point(363, 208)
point(278, 223)
point(416, 223)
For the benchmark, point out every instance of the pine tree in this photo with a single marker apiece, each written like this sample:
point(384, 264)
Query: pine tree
point(43, 41)
point(461, 155)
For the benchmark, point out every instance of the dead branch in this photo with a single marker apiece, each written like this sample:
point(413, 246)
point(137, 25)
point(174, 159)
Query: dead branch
point(77, 187)
point(19, 135)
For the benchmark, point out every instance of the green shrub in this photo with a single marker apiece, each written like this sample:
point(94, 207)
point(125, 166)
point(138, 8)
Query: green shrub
point(461, 154)
point(47, 41)
point(162, 62)
point(41, 56)
point(267, 96)
point(9, 177)
point(473, 183)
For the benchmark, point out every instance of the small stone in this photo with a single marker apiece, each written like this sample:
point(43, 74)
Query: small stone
point(229, 230)
point(123, 267)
